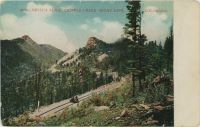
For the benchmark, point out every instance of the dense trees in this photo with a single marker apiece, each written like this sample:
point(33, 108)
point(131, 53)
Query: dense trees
point(147, 58)
point(22, 95)
point(46, 88)
point(128, 55)
point(168, 47)
point(133, 30)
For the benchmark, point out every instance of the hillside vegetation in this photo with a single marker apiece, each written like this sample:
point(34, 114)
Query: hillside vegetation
point(39, 75)
point(22, 58)
point(86, 72)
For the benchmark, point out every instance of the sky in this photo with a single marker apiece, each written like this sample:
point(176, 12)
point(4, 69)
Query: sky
point(67, 25)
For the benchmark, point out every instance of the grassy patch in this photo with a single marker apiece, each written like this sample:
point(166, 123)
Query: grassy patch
point(85, 114)
point(117, 101)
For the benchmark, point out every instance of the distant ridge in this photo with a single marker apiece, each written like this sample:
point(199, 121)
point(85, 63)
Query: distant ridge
point(22, 55)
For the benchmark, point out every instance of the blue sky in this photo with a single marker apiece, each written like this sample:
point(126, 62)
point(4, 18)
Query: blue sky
point(70, 30)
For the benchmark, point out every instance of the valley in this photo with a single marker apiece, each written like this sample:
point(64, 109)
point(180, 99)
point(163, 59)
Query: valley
point(83, 72)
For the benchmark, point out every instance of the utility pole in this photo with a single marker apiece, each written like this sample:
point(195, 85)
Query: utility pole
point(37, 84)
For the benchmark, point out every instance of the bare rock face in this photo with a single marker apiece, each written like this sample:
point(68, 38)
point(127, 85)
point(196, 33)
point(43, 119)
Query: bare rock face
point(146, 107)
point(101, 108)
point(152, 122)
point(102, 57)
point(117, 118)
point(124, 113)
point(92, 41)
point(28, 40)
point(26, 37)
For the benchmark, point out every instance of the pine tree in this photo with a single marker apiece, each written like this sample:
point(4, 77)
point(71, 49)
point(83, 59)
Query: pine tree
point(133, 29)
point(168, 48)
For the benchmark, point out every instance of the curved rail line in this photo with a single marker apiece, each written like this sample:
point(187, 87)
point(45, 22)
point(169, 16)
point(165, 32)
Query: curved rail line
point(86, 96)
point(80, 99)
point(60, 106)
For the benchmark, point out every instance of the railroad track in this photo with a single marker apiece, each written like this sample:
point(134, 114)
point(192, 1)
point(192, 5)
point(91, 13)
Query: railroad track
point(56, 108)
point(63, 106)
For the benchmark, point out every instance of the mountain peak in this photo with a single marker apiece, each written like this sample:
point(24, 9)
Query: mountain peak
point(26, 37)
point(92, 42)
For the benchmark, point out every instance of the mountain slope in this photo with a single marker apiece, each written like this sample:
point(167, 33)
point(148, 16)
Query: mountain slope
point(21, 56)
point(95, 64)
point(97, 55)
point(54, 53)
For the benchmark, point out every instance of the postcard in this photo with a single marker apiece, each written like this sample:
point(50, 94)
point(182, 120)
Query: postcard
point(87, 63)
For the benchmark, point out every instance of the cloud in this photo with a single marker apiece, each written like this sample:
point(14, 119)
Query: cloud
point(42, 10)
point(96, 20)
point(154, 25)
point(108, 31)
point(111, 31)
point(67, 7)
point(35, 25)
point(2, 1)
point(84, 26)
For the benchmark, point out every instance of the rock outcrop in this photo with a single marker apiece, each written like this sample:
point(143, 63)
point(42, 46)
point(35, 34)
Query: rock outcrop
point(93, 42)
point(102, 57)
